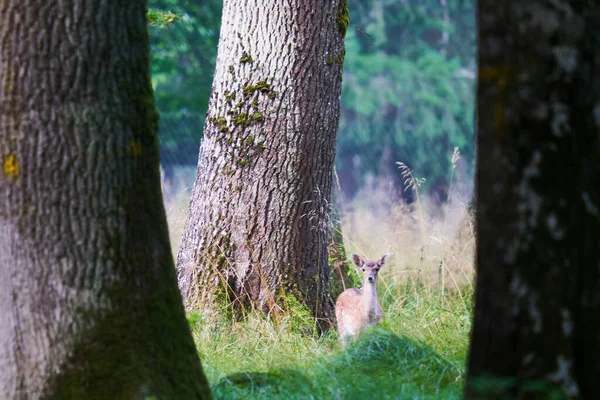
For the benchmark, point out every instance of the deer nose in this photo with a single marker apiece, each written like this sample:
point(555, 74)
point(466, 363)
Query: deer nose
point(371, 279)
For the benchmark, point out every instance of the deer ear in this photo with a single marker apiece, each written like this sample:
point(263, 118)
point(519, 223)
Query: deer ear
point(357, 260)
point(383, 259)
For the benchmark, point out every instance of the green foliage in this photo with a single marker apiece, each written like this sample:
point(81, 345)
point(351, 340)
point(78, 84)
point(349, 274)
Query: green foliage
point(194, 319)
point(490, 387)
point(408, 86)
point(161, 18)
point(183, 56)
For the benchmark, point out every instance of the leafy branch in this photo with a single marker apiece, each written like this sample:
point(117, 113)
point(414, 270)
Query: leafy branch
point(162, 19)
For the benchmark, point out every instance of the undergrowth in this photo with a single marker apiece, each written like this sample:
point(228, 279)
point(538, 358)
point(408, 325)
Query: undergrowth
point(417, 352)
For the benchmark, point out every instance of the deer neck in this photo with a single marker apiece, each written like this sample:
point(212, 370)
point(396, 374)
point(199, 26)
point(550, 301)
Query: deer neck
point(370, 301)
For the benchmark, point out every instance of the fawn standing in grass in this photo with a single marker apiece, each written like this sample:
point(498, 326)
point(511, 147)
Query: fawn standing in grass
point(357, 308)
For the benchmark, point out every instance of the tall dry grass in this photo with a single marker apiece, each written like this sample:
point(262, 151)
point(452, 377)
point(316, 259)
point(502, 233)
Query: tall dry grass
point(432, 244)
point(176, 198)
point(432, 248)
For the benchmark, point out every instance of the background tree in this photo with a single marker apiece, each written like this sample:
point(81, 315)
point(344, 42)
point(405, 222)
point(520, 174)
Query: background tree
point(257, 228)
point(89, 306)
point(537, 303)
point(183, 62)
point(407, 93)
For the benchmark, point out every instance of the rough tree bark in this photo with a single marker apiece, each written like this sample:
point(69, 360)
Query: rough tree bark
point(536, 329)
point(89, 304)
point(257, 222)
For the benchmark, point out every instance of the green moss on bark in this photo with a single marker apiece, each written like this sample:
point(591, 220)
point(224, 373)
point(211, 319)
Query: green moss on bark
point(342, 17)
point(246, 58)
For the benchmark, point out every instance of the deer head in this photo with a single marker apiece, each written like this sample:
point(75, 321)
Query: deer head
point(369, 269)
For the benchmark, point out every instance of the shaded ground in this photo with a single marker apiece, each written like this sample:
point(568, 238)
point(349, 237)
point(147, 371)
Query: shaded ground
point(380, 365)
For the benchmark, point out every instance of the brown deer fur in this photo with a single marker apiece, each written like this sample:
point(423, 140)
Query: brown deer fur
point(357, 308)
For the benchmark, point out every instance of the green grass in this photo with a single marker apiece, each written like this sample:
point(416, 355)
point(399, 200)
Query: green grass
point(418, 352)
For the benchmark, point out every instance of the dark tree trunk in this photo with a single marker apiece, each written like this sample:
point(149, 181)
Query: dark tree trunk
point(89, 306)
point(536, 329)
point(257, 227)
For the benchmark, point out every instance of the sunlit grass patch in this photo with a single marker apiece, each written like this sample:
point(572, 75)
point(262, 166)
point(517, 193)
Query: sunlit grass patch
point(419, 353)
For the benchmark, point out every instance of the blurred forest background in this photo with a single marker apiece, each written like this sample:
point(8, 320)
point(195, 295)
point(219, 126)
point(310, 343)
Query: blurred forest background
point(408, 94)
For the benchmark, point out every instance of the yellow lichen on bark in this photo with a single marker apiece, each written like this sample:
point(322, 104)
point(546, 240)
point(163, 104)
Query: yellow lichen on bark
point(8, 76)
point(11, 166)
point(135, 147)
point(501, 76)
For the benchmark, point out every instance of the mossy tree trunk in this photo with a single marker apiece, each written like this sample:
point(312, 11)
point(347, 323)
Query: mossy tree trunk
point(257, 229)
point(89, 304)
point(536, 331)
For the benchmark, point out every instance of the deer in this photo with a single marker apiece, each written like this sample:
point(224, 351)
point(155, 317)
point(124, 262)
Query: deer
point(355, 309)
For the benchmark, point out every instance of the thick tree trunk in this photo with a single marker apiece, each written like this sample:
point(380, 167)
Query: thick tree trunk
point(536, 329)
point(257, 228)
point(89, 306)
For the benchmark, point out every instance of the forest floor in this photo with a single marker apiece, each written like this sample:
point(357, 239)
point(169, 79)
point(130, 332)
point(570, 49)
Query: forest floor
point(419, 350)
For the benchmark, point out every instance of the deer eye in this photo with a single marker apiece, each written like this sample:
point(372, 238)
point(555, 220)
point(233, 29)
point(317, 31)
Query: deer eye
point(376, 269)
point(363, 269)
